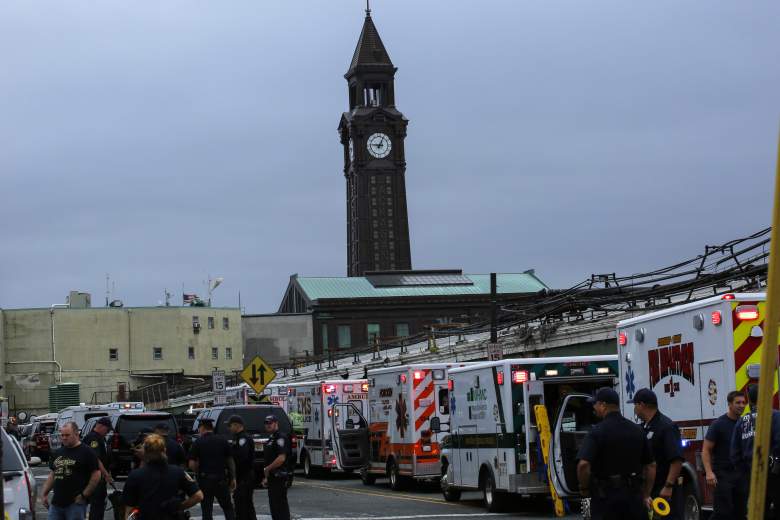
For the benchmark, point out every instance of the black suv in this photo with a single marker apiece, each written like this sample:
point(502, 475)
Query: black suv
point(127, 430)
point(254, 424)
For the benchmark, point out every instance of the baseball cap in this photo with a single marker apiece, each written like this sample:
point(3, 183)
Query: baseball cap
point(605, 395)
point(270, 419)
point(105, 421)
point(645, 396)
point(236, 419)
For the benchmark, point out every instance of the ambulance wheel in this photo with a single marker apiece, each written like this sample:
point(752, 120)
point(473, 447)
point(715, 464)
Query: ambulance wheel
point(692, 509)
point(490, 497)
point(394, 476)
point(308, 469)
point(450, 494)
point(367, 478)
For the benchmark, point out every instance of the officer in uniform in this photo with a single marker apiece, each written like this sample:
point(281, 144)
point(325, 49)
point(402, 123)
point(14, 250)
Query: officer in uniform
point(159, 491)
point(664, 437)
point(275, 472)
point(742, 455)
point(244, 456)
point(615, 467)
point(173, 449)
point(212, 461)
point(96, 440)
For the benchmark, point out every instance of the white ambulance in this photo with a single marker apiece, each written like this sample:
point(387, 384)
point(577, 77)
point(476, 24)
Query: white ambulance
point(494, 444)
point(277, 394)
point(692, 356)
point(331, 417)
point(401, 402)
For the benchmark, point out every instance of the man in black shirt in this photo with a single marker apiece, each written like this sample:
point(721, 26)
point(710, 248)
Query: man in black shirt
point(615, 464)
point(96, 440)
point(173, 449)
point(277, 448)
point(244, 456)
point(664, 437)
point(158, 489)
point(74, 475)
point(212, 461)
point(720, 472)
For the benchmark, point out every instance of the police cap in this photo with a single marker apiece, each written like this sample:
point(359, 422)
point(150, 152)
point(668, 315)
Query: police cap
point(605, 395)
point(270, 419)
point(645, 396)
point(105, 421)
point(236, 419)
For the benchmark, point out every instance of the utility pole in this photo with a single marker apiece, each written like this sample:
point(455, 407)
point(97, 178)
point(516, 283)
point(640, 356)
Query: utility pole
point(493, 309)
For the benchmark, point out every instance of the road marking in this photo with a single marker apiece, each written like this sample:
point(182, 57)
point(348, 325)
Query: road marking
point(383, 495)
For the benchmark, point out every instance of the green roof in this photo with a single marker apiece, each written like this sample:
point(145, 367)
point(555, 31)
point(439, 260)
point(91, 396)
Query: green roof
point(361, 287)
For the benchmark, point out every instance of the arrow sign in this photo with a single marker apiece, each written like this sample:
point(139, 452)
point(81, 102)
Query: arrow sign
point(258, 374)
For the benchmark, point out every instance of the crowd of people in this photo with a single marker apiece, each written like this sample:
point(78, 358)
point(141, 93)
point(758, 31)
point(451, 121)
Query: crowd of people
point(159, 487)
point(624, 467)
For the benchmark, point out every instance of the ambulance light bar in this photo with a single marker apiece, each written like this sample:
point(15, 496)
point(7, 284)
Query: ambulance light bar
point(622, 339)
point(329, 389)
point(418, 375)
point(438, 375)
point(401, 379)
point(717, 319)
point(747, 312)
point(348, 388)
point(451, 384)
point(727, 297)
point(499, 378)
point(550, 373)
point(364, 387)
point(519, 376)
point(602, 370)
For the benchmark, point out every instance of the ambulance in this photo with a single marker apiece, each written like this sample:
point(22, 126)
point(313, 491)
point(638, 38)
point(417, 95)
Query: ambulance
point(494, 444)
point(331, 416)
point(691, 356)
point(277, 394)
point(401, 402)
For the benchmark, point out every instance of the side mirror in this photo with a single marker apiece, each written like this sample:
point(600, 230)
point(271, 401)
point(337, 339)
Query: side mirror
point(435, 424)
point(35, 461)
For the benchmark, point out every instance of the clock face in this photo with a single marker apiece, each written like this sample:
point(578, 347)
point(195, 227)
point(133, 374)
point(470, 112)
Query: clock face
point(351, 150)
point(379, 145)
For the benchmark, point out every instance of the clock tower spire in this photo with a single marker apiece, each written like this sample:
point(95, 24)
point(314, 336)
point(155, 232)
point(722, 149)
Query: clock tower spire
point(372, 134)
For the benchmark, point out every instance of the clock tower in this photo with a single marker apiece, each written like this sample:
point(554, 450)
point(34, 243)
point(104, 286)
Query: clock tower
point(372, 134)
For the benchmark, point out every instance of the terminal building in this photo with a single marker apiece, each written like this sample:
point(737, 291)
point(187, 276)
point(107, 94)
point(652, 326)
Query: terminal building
point(112, 352)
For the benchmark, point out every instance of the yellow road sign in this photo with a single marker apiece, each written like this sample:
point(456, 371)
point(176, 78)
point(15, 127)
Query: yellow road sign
point(258, 374)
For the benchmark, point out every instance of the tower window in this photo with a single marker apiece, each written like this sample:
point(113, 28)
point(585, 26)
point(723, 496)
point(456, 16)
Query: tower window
point(373, 94)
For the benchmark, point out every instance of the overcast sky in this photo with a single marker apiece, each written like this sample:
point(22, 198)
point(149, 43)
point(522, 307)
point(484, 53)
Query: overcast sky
point(162, 142)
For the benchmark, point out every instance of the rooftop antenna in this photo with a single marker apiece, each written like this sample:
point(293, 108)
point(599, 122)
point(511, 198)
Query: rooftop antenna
point(368, 8)
point(107, 292)
point(167, 298)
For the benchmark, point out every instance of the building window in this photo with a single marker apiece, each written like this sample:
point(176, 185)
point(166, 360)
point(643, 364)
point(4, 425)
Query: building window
point(390, 233)
point(190, 352)
point(228, 352)
point(373, 179)
point(389, 212)
point(324, 337)
point(373, 201)
point(211, 322)
point(345, 336)
point(389, 190)
point(388, 180)
point(375, 223)
point(376, 234)
point(157, 353)
point(113, 354)
point(214, 353)
point(225, 323)
point(373, 332)
point(401, 330)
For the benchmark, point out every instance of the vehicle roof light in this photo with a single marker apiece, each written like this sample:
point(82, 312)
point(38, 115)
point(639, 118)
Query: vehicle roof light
point(450, 385)
point(418, 375)
point(747, 312)
point(402, 378)
point(717, 318)
point(602, 370)
point(727, 297)
point(364, 387)
point(551, 373)
point(329, 389)
point(499, 378)
point(519, 376)
point(622, 339)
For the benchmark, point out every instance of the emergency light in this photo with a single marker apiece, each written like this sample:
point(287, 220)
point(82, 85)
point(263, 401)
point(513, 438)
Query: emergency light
point(348, 388)
point(499, 378)
point(451, 384)
point(622, 339)
point(418, 375)
point(550, 373)
point(717, 319)
point(402, 378)
point(329, 389)
point(747, 312)
point(364, 387)
point(519, 376)
point(728, 297)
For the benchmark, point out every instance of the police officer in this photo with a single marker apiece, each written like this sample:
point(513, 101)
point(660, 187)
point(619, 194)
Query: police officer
point(275, 472)
point(664, 437)
point(615, 467)
point(742, 455)
point(173, 450)
point(96, 440)
point(212, 461)
point(728, 502)
point(158, 490)
point(244, 456)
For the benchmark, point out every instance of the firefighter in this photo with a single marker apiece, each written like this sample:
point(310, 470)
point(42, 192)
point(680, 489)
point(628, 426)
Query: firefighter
point(212, 462)
point(615, 467)
point(96, 440)
point(728, 502)
point(664, 437)
point(244, 456)
point(742, 455)
point(275, 472)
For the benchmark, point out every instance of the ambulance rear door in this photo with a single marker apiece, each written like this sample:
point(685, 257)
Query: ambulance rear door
point(573, 423)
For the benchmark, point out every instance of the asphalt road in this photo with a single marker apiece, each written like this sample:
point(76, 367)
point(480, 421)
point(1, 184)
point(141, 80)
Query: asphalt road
point(345, 497)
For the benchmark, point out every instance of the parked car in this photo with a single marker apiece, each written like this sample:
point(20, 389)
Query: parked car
point(37, 442)
point(20, 490)
point(128, 430)
point(254, 424)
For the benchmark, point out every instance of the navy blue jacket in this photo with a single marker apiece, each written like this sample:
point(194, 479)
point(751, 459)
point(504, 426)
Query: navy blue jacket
point(742, 441)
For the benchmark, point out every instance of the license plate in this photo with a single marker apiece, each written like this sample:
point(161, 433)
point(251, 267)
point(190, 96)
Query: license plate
point(426, 448)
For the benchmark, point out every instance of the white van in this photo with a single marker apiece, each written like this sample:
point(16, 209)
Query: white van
point(79, 414)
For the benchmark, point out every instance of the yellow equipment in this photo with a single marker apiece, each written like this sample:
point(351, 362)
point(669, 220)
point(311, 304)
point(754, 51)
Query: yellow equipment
point(661, 506)
point(543, 427)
